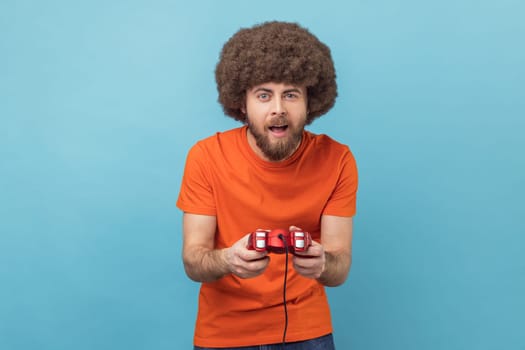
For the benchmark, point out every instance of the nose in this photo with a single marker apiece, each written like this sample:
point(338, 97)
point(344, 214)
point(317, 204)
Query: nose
point(278, 107)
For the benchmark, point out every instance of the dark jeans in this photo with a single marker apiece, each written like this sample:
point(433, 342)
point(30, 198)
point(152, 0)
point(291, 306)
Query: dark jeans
point(325, 342)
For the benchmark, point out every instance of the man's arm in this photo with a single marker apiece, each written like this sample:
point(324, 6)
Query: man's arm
point(204, 263)
point(201, 261)
point(329, 262)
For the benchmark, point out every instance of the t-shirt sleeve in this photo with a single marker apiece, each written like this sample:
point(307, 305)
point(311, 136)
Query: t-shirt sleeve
point(342, 202)
point(196, 192)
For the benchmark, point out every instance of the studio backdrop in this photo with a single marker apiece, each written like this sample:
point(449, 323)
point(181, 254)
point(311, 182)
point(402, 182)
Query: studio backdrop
point(101, 100)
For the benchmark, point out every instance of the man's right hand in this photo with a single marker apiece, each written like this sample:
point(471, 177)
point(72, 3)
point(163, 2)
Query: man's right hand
point(243, 262)
point(204, 263)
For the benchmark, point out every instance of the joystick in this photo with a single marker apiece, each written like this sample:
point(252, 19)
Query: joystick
point(279, 241)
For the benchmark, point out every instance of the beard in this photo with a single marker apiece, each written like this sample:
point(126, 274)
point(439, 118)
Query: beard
point(281, 148)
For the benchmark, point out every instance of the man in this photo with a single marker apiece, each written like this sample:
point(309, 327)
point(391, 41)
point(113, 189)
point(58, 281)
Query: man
point(271, 173)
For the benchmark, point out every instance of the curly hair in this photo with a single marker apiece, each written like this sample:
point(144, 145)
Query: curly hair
point(279, 52)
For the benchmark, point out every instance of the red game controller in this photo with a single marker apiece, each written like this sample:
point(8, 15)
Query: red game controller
point(279, 240)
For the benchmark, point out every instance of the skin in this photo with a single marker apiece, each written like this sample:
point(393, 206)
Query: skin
point(276, 116)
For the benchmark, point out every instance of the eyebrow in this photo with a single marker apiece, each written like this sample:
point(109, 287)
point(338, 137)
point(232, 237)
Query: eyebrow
point(257, 89)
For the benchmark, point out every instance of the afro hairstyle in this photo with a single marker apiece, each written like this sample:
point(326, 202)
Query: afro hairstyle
point(279, 52)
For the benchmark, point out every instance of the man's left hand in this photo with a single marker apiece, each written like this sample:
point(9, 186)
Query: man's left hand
point(310, 263)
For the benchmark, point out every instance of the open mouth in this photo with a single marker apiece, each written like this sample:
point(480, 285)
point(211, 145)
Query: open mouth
point(278, 128)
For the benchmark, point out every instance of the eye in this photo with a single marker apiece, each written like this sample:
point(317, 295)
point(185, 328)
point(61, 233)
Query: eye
point(291, 96)
point(263, 96)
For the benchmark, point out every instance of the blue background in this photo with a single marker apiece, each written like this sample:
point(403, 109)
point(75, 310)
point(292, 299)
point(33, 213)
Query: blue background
point(101, 100)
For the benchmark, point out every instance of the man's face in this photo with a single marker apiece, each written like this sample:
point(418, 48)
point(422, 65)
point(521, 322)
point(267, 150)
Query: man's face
point(276, 116)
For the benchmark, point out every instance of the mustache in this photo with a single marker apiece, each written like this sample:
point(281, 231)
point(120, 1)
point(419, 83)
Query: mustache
point(278, 121)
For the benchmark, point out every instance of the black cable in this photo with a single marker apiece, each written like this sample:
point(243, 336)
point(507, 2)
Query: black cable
point(284, 290)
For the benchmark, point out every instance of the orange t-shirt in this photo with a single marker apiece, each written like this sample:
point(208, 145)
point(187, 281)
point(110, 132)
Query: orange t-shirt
point(223, 177)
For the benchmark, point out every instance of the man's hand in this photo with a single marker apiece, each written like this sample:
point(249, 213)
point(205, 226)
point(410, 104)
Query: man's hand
point(329, 261)
point(310, 263)
point(245, 263)
point(204, 263)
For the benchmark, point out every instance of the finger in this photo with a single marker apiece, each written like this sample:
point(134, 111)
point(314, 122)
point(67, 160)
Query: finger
point(246, 238)
point(252, 255)
point(241, 265)
point(258, 265)
point(312, 268)
point(254, 268)
point(306, 263)
point(312, 251)
point(310, 273)
point(315, 243)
